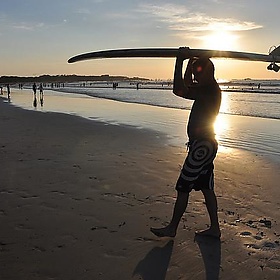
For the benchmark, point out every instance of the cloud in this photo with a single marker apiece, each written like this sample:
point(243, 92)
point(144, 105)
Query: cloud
point(28, 26)
point(179, 18)
point(83, 11)
point(7, 23)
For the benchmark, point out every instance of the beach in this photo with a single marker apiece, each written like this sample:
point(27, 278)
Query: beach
point(78, 196)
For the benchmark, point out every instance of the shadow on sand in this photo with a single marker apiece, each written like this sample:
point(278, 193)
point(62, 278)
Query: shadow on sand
point(155, 264)
point(210, 249)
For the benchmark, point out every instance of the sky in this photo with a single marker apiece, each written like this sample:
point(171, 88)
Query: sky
point(39, 36)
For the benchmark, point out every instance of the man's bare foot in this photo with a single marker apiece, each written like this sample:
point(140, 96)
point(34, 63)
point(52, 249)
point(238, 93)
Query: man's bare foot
point(163, 232)
point(215, 233)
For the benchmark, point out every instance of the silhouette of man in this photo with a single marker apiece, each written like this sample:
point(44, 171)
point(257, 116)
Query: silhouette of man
point(34, 87)
point(8, 91)
point(198, 84)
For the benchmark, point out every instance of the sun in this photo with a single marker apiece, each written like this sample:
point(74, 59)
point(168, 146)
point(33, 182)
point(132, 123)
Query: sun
point(220, 40)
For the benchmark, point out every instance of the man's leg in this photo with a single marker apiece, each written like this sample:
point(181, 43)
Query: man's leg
point(178, 211)
point(212, 208)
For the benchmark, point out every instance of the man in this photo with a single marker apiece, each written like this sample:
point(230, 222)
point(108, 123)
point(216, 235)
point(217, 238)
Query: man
point(41, 94)
point(199, 84)
point(34, 87)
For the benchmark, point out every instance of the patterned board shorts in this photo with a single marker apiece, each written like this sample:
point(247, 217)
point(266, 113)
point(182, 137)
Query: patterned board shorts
point(197, 172)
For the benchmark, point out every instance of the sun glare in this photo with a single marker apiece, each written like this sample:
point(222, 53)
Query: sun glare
point(221, 124)
point(220, 40)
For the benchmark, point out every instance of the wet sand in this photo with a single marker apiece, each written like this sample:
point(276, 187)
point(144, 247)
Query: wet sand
point(77, 199)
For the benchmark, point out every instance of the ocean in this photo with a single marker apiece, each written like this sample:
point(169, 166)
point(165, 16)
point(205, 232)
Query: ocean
point(249, 117)
point(257, 98)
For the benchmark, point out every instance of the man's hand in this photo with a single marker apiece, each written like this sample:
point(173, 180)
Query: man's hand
point(183, 53)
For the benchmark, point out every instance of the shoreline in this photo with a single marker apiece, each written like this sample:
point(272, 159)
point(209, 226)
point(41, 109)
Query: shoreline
point(69, 91)
point(255, 134)
point(235, 85)
point(78, 197)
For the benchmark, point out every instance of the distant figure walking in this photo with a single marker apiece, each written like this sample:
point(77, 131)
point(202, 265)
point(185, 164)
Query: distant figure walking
point(41, 94)
point(34, 88)
point(1, 88)
point(8, 92)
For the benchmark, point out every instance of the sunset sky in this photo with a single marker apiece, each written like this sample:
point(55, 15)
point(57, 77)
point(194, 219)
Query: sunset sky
point(38, 37)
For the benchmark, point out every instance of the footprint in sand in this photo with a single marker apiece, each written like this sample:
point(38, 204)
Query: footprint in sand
point(22, 227)
point(58, 192)
point(39, 249)
point(98, 227)
point(6, 191)
point(246, 233)
point(28, 196)
point(265, 245)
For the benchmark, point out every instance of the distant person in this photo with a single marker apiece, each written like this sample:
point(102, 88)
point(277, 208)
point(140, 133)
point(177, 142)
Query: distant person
point(199, 85)
point(41, 89)
point(34, 87)
point(8, 91)
point(115, 85)
point(1, 88)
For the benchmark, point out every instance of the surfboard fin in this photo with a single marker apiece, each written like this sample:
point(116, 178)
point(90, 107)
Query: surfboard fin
point(275, 51)
point(273, 66)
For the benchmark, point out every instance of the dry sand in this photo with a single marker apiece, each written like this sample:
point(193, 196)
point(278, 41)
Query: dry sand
point(77, 199)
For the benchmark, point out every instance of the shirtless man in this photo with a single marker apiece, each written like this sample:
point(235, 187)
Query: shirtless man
point(198, 84)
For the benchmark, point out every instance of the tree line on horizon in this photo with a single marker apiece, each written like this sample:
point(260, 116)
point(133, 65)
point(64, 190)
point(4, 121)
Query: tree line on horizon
point(63, 79)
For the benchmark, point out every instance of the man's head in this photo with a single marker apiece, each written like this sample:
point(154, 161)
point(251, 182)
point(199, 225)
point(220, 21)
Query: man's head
point(203, 70)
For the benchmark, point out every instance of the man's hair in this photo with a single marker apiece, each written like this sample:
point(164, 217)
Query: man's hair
point(206, 65)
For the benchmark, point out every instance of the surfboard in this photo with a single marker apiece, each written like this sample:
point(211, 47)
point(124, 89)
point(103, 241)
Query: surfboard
point(273, 57)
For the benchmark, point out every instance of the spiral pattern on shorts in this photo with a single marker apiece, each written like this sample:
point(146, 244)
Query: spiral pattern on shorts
point(200, 153)
point(199, 160)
